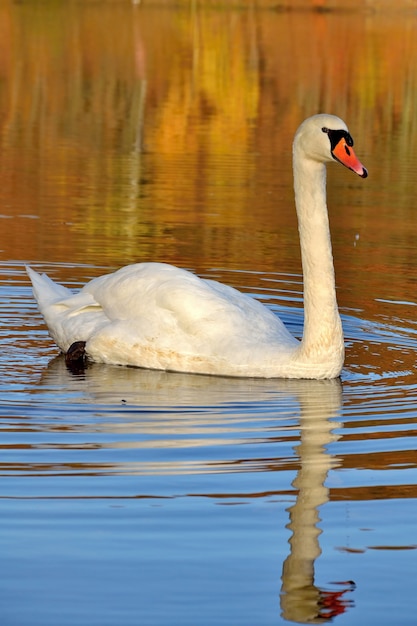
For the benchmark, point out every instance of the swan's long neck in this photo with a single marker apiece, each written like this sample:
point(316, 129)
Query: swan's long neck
point(323, 335)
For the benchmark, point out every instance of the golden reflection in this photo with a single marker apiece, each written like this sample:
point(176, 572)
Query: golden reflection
point(172, 139)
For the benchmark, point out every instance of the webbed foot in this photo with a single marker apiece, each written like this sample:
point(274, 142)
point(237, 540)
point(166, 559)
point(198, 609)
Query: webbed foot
point(76, 357)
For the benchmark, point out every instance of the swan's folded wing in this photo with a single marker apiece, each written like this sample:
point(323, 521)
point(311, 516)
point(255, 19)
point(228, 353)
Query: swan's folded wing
point(77, 304)
point(72, 319)
point(219, 316)
point(76, 318)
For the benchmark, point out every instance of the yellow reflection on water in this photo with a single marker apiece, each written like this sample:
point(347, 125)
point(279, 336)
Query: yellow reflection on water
point(135, 132)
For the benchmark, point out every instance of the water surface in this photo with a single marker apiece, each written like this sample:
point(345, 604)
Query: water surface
point(130, 496)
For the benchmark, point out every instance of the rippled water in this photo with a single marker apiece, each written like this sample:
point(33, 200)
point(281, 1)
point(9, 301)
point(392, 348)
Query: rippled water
point(133, 496)
point(142, 131)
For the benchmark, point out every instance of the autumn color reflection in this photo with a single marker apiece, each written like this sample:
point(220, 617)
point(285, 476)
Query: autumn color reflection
point(135, 132)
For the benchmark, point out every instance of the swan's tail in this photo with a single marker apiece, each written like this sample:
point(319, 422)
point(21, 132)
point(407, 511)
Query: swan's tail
point(46, 292)
point(64, 311)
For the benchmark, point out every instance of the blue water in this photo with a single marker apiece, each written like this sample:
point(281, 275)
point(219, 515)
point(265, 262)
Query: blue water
point(136, 497)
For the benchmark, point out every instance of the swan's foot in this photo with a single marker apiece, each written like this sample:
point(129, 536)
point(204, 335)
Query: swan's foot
point(76, 357)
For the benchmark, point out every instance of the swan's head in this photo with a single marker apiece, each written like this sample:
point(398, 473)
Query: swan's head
point(324, 138)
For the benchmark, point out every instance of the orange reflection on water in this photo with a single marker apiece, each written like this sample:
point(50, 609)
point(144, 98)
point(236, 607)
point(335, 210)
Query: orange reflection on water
point(171, 139)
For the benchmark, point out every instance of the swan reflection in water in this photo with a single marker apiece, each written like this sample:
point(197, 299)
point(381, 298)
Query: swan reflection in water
point(318, 403)
point(301, 600)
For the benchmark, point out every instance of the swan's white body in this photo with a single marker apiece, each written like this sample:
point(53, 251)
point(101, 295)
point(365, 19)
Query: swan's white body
point(157, 316)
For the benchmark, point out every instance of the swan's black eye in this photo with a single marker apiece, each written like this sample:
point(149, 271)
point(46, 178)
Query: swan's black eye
point(325, 130)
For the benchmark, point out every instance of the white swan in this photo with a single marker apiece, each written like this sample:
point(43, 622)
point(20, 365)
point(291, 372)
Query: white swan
point(157, 316)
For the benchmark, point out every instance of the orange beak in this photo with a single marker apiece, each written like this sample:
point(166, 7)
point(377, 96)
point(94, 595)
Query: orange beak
point(346, 155)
